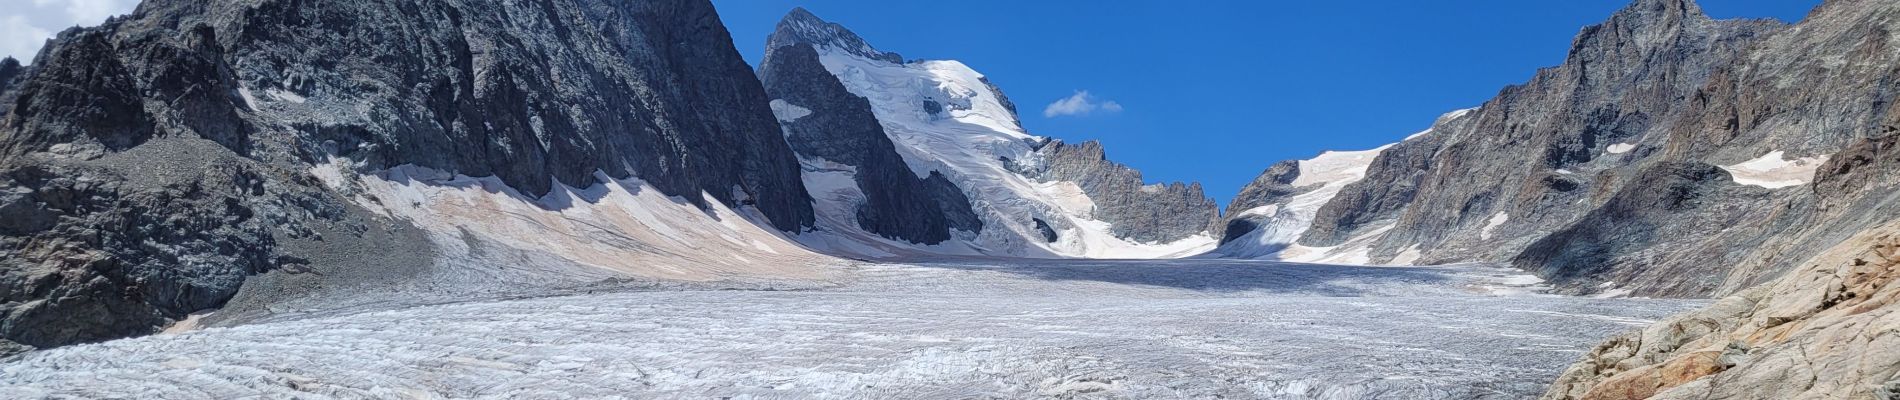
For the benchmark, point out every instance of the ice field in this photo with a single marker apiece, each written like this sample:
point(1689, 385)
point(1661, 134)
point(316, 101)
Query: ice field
point(975, 329)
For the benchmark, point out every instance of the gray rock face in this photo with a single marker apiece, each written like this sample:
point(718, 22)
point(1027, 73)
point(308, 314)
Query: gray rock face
point(1140, 212)
point(840, 127)
point(1624, 168)
point(1683, 200)
point(1776, 99)
point(1603, 169)
point(148, 166)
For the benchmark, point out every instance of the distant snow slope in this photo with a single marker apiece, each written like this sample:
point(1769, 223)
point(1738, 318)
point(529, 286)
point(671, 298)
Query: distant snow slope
point(1321, 178)
point(968, 136)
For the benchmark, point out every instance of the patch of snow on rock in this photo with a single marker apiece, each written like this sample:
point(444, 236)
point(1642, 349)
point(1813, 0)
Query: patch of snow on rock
point(1496, 221)
point(285, 95)
point(1409, 256)
point(788, 112)
point(1775, 171)
point(250, 100)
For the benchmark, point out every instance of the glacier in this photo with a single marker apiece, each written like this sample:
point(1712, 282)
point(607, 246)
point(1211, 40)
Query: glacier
point(963, 329)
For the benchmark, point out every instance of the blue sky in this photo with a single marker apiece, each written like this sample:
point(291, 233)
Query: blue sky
point(1216, 91)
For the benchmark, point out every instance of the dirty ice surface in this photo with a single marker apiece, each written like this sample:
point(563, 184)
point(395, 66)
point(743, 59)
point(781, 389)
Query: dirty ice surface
point(1090, 329)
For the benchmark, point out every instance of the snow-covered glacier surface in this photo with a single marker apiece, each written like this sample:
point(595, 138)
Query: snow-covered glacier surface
point(1092, 329)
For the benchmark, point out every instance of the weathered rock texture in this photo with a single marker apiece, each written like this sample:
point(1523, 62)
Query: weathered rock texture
point(837, 126)
point(1151, 213)
point(1824, 330)
point(148, 166)
point(1606, 171)
point(1829, 330)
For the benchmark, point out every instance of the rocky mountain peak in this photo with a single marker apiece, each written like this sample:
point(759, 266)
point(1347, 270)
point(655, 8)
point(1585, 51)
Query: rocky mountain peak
point(1660, 10)
point(1644, 24)
point(801, 26)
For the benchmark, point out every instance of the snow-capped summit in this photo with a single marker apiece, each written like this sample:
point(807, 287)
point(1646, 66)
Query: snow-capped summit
point(945, 119)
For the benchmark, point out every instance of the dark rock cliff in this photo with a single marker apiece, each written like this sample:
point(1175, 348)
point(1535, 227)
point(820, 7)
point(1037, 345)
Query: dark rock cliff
point(148, 166)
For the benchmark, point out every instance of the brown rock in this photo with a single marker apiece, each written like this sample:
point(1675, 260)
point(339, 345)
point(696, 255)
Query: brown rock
point(1634, 384)
point(1690, 367)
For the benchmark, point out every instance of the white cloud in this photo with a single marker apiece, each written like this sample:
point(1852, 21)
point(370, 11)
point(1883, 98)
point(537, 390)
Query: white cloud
point(1081, 103)
point(26, 28)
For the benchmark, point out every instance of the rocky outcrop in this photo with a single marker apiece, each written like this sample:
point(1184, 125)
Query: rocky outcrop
point(1830, 330)
point(150, 165)
point(1148, 213)
point(823, 120)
